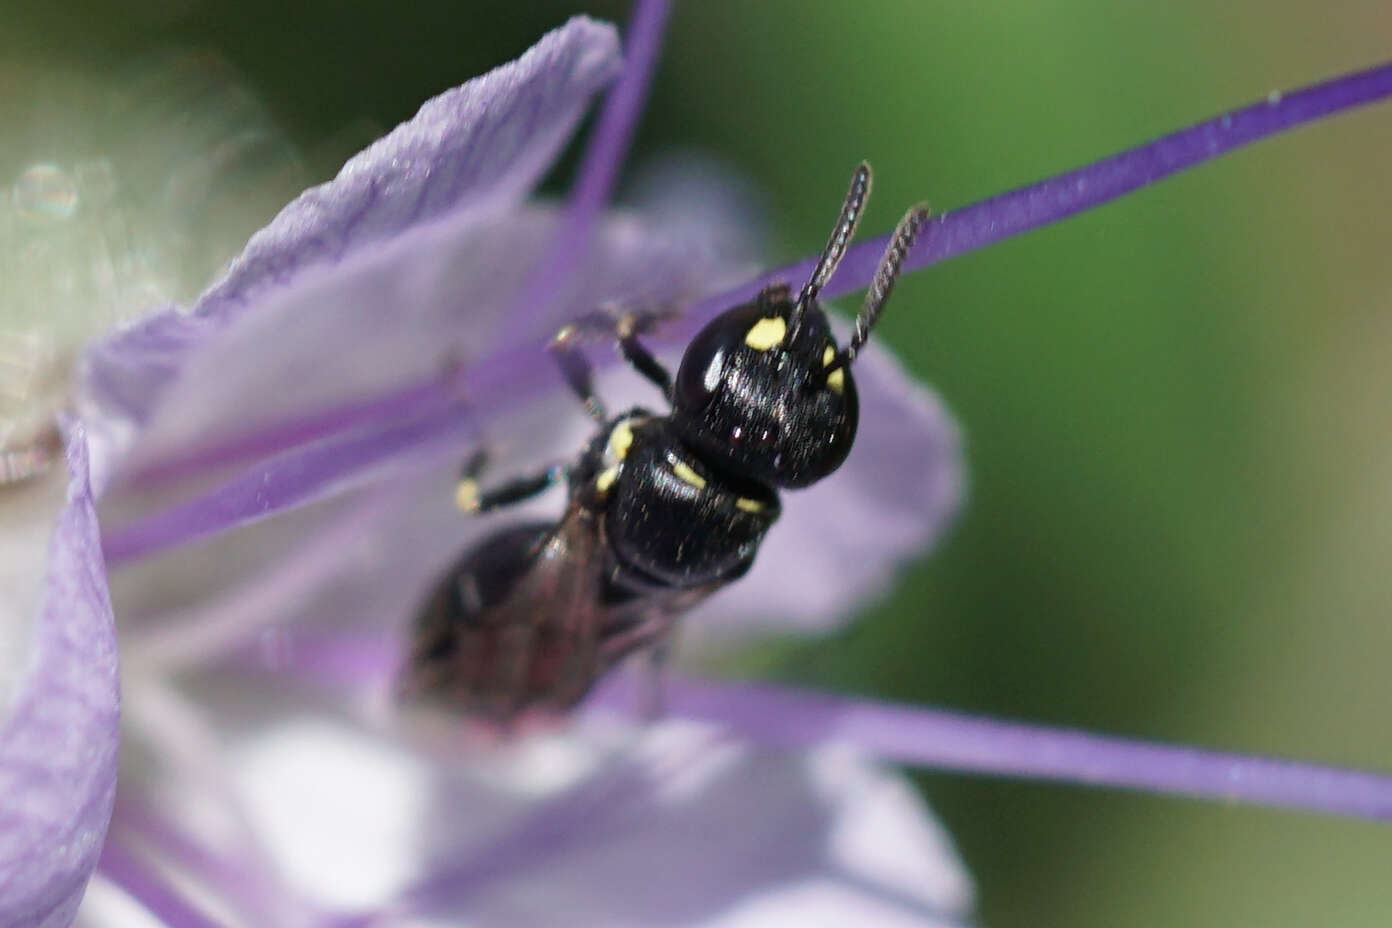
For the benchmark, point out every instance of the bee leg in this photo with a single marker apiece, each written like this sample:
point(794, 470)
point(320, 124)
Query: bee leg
point(613, 322)
point(626, 327)
point(650, 644)
point(469, 498)
point(576, 368)
point(651, 704)
point(642, 361)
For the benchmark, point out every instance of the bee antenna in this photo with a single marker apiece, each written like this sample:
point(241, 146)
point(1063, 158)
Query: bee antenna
point(883, 282)
point(835, 248)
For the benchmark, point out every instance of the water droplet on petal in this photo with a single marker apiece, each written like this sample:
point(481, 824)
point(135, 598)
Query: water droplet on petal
point(45, 191)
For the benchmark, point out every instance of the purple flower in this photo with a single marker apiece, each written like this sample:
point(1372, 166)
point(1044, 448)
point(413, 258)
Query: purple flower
point(275, 467)
point(407, 270)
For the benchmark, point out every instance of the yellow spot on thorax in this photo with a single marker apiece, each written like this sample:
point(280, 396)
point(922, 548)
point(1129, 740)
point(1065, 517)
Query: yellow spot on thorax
point(837, 378)
point(749, 505)
point(688, 476)
point(766, 333)
point(620, 442)
point(621, 439)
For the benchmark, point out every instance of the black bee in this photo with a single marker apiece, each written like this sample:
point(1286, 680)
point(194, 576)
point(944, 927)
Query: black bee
point(663, 510)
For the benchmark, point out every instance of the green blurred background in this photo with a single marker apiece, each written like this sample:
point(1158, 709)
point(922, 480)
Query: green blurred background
point(1180, 451)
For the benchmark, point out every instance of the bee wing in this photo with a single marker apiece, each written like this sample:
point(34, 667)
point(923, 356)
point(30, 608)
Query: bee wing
point(516, 624)
point(546, 649)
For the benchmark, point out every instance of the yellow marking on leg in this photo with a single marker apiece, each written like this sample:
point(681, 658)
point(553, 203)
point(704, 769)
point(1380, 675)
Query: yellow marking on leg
point(466, 495)
point(749, 505)
point(766, 333)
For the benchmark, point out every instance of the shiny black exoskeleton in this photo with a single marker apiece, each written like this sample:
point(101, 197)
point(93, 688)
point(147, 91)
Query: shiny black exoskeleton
point(662, 510)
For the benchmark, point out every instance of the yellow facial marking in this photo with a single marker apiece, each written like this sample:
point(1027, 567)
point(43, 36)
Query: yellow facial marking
point(606, 479)
point(749, 505)
point(621, 439)
point(766, 333)
point(836, 380)
point(466, 495)
point(688, 476)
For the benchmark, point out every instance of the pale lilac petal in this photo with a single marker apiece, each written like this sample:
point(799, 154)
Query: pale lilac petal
point(710, 831)
point(28, 513)
point(697, 191)
point(123, 375)
point(58, 742)
point(695, 827)
point(471, 152)
point(480, 147)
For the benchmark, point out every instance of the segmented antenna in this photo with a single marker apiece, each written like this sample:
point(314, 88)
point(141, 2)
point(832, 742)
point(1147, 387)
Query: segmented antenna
point(883, 282)
point(841, 236)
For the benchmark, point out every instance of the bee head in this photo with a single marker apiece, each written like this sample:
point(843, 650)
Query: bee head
point(757, 393)
point(763, 391)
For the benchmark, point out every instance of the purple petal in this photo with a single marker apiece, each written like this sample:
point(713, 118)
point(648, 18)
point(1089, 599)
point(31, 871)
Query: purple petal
point(479, 148)
point(473, 152)
point(58, 744)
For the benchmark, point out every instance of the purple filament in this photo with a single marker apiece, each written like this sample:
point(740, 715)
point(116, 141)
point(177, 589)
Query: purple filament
point(604, 156)
point(923, 737)
point(1008, 214)
point(139, 879)
point(944, 740)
